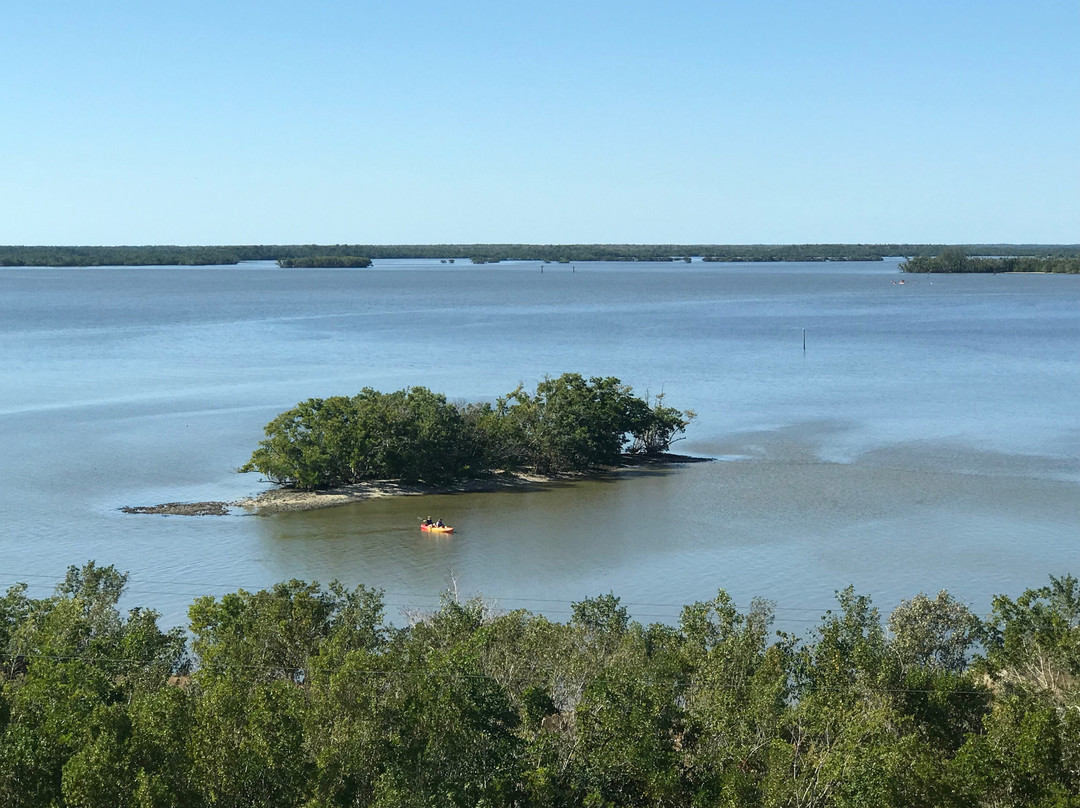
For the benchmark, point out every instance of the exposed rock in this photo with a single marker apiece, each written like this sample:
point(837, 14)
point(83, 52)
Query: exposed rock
point(182, 509)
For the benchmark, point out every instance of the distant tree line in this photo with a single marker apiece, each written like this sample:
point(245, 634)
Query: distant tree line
point(324, 262)
point(569, 424)
point(494, 253)
point(168, 255)
point(954, 259)
point(302, 696)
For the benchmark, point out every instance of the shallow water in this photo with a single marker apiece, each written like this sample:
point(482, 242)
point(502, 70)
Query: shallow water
point(926, 438)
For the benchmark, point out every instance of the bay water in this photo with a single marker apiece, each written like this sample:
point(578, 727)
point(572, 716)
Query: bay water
point(898, 437)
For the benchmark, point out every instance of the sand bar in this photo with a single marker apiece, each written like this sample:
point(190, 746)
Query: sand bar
point(279, 500)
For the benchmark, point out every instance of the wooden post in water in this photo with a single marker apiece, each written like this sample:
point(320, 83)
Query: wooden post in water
point(804, 340)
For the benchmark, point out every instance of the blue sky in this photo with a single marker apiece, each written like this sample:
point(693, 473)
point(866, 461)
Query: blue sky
point(556, 122)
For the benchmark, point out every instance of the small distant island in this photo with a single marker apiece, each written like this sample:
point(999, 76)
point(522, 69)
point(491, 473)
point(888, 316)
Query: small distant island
point(325, 262)
point(332, 451)
point(954, 259)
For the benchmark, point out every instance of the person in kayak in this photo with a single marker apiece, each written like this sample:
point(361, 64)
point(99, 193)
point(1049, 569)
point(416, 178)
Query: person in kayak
point(439, 523)
point(427, 522)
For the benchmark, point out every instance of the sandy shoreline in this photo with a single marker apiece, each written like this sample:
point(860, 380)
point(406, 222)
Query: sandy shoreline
point(280, 500)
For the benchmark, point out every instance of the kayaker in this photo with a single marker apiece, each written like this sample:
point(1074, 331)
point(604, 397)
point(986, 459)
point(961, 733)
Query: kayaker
point(440, 523)
point(426, 522)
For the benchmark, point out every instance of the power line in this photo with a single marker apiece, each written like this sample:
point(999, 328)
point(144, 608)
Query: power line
point(149, 586)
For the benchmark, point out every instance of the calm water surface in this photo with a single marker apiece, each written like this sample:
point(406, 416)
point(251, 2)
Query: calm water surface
point(928, 437)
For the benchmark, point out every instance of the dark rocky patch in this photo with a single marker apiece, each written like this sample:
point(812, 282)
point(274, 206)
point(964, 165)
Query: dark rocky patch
point(181, 509)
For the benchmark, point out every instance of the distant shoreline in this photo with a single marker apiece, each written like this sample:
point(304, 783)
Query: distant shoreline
point(357, 254)
point(284, 500)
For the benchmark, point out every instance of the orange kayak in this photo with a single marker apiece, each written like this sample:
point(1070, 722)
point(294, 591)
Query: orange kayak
point(435, 529)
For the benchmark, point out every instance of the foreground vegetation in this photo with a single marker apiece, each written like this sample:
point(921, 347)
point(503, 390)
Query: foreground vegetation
point(569, 424)
point(304, 696)
point(954, 259)
point(494, 253)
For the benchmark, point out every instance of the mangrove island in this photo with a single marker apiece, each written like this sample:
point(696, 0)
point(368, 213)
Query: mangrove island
point(569, 424)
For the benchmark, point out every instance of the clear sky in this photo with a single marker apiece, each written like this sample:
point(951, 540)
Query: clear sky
point(711, 121)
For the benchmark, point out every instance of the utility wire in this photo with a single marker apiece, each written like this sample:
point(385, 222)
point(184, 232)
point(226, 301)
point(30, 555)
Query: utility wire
point(150, 587)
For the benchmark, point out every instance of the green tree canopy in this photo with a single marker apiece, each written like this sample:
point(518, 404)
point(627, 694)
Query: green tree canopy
point(300, 695)
point(568, 424)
